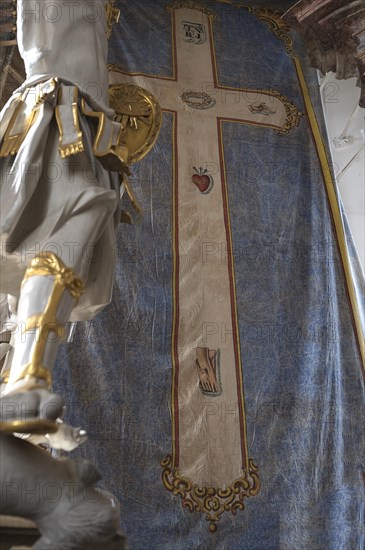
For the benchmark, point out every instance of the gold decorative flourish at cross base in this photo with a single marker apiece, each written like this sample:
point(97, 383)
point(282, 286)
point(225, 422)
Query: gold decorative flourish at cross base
point(211, 501)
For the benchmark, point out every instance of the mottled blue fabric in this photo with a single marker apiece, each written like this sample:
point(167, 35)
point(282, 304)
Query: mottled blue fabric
point(301, 365)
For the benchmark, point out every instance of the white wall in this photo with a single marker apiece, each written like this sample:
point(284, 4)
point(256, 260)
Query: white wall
point(340, 97)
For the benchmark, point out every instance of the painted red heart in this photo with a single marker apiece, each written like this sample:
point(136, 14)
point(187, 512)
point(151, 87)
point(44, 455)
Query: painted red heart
point(202, 182)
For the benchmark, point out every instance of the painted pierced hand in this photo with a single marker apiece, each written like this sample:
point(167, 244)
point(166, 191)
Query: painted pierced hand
point(206, 366)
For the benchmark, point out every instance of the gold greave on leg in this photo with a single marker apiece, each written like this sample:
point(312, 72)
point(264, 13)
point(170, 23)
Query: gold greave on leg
point(47, 264)
point(35, 374)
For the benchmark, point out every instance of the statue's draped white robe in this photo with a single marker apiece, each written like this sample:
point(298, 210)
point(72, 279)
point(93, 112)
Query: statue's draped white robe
point(68, 206)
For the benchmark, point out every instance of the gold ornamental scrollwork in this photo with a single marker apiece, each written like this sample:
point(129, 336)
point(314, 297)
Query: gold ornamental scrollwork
point(211, 501)
point(140, 116)
point(293, 115)
point(275, 23)
point(272, 18)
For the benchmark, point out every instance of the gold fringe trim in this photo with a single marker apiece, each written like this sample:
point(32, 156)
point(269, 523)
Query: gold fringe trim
point(72, 149)
point(68, 149)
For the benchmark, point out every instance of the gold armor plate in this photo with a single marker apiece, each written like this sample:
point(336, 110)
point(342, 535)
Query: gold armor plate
point(140, 115)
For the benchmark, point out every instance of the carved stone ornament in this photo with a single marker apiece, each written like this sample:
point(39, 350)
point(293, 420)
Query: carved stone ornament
point(334, 34)
point(60, 497)
point(8, 23)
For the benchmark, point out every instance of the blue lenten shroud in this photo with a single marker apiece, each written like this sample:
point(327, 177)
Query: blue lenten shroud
point(299, 333)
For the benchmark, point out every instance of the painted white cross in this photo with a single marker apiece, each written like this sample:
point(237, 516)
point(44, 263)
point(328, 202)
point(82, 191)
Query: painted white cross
point(209, 427)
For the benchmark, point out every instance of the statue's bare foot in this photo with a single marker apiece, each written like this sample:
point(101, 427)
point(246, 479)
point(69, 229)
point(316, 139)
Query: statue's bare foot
point(33, 411)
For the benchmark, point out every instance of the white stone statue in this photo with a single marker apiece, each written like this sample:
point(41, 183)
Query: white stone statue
point(60, 497)
point(59, 199)
point(61, 166)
